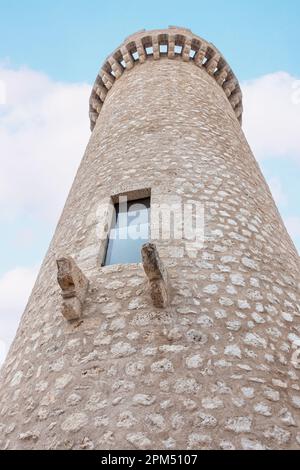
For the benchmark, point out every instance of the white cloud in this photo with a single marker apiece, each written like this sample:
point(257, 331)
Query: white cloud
point(44, 129)
point(272, 115)
point(15, 288)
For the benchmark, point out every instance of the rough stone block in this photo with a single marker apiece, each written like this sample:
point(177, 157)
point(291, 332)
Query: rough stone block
point(74, 287)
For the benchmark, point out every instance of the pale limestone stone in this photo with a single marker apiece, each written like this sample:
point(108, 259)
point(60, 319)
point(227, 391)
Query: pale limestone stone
point(101, 421)
point(197, 440)
point(250, 444)
point(253, 339)
point(279, 383)
point(139, 441)
point(134, 369)
point(169, 443)
point(205, 420)
point(178, 421)
point(226, 302)
point(212, 403)
point(135, 282)
point(258, 318)
point(263, 409)
point(145, 400)
point(193, 362)
point(217, 277)
point(134, 304)
point(102, 339)
point(126, 420)
point(43, 414)
point(196, 336)
point(287, 317)
point(122, 349)
point(73, 399)
point(75, 422)
point(271, 394)
point(96, 402)
point(239, 425)
point(87, 444)
point(248, 392)
point(111, 308)
point(231, 290)
point(254, 282)
point(63, 381)
point(220, 314)
point(286, 417)
point(296, 401)
point(162, 366)
point(186, 386)
point(16, 380)
point(279, 435)
point(156, 422)
point(115, 285)
point(233, 351)
point(227, 445)
point(189, 404)
point(205, 321)
point(58, 365)
point(41, 386)
point(243, 304)
point(29, 436)
point(149, 351)
point(166, 404)
point(234, 325)
point(172, 348)
point(117, 324)
point(174, 334)
point(249, 263)
point(229, 259)
point(237, 279)
point(211, 289)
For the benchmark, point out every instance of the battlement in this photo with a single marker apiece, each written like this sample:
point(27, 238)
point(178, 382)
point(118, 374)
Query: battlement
point(174, 43)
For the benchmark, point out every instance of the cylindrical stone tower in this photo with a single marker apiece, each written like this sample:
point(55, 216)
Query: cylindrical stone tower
point(97, 363)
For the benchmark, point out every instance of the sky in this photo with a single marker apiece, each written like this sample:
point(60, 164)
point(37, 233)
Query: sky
point(50, 54)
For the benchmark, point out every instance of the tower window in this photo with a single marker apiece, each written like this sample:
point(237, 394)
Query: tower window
point(129, 231)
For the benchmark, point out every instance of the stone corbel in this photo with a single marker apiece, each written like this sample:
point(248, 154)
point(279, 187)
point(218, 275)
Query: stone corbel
point(156, 274)
point(74, 286)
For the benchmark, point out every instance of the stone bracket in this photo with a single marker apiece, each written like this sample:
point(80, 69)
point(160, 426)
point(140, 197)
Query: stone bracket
point(74, 286)
point(157, 275)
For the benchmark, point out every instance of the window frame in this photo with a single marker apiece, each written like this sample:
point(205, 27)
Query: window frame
point(134, 196)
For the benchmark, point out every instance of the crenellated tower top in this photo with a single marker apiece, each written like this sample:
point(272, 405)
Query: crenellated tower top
point(174, 43)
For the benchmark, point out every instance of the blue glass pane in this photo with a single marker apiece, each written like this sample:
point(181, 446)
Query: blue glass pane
point(129, 232)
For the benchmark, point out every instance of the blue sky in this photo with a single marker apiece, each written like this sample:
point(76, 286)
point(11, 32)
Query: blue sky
point(50, 53)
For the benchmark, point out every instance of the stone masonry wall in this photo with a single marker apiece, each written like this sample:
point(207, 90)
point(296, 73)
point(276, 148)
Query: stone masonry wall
point(213, 369)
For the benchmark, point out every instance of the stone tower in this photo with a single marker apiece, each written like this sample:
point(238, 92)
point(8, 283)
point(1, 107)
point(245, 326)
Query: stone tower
point(196, 347)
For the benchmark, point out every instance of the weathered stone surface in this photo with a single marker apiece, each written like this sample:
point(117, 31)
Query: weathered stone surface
point(157, 275)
